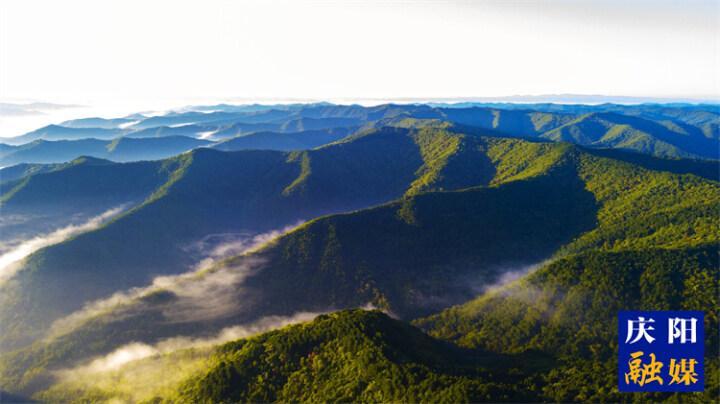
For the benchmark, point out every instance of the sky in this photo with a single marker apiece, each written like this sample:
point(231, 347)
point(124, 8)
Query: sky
point(142, 53)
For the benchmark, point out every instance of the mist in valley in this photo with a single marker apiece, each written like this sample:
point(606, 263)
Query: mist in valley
point(11, 259)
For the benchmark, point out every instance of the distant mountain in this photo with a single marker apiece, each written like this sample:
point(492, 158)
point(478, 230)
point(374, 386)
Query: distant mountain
point(618, 131)
point(665, 130)
point(56, 132)
point(43, 151)
point(119, 149)
point(303, 140)
point(185, 130)
point(5, 149)
point(290, 126)
point(304, 124)
point(629, 129)
point(516, 123)
point(186, 118)
point(236, 129)
point(130, 149)
point(157, 143)
point(103, 123)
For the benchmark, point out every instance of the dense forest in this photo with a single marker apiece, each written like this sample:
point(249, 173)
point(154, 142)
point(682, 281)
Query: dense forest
point(345, 253)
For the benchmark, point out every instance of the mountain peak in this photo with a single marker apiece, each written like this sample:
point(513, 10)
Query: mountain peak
point(89, 160)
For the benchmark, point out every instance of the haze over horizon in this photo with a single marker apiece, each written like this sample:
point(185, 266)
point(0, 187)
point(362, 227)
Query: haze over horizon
point(371, 49)
point(19, 116)
point(123, 57)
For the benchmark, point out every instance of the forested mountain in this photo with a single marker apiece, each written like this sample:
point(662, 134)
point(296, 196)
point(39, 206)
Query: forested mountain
point(406, 201)
point(632, 133)
point(57, 132)
point(250, 192)
point(346, 356)
point(541, 313)
point(432, 216)
point(302, 140)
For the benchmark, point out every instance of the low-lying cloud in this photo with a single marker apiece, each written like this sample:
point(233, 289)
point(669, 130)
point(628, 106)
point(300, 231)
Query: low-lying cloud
point(206, 292)
point(136, 350)
point(11, 261)
point(137, 371)
point(217, 247)
point(128, 124)
point(207, 134)
point(510, 275)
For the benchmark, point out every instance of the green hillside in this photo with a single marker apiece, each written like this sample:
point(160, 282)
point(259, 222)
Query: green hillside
point(425, 251)
point(518, 344)
point(353, 357)
point(350, 356)
point(543, 312)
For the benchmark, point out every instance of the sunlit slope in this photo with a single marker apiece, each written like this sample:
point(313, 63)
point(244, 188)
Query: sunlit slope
point(350, 356)
point(569, 309)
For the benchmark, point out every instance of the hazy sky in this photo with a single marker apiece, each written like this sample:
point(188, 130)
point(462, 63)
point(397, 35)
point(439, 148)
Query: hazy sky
point(72, 51)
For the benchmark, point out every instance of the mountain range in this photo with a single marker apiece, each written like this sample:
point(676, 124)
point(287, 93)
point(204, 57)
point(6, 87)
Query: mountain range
point(446, 253)
point(663, 130)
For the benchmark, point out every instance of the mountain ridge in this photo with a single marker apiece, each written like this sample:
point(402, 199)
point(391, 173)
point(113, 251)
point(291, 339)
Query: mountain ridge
point(585, 190)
